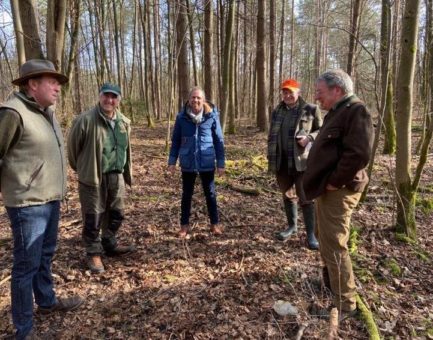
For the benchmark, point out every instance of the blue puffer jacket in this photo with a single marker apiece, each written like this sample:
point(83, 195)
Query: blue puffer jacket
point(198, 146)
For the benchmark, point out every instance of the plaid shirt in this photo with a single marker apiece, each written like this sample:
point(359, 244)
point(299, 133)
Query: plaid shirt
point(308, 119)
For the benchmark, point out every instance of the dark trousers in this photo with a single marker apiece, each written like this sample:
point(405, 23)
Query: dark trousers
point(208, 184)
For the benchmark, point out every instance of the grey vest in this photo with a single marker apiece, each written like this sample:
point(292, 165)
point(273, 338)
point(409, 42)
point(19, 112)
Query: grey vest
point(33, 171)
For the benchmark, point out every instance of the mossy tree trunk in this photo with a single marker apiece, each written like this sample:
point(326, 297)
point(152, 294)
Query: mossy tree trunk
point(405, 190)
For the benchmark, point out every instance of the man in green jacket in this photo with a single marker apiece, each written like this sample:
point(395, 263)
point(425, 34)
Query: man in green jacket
point(294, 126)
point(336, 176)
point(33, 184)
point(99, 150)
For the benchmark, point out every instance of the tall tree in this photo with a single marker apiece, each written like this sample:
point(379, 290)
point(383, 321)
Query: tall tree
point(208, 49)
point(56, 17)
point(182, 52)
point(406, 70)
point(21, 53)
point(228, 45)
point(27, 10)
point(262, 97)
point(353, 37)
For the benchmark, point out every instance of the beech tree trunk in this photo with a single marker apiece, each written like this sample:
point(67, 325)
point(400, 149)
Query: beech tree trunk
point(406, 70)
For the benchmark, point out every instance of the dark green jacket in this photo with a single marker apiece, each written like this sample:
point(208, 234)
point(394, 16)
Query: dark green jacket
point(309, 120)
point(33, 168)
point(86, 141)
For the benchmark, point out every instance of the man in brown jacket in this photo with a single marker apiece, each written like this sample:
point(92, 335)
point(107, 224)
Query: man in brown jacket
point(336, 176)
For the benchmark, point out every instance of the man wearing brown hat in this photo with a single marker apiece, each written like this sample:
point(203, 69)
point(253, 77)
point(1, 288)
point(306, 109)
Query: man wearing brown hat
point(99, 151)
point(33, 184)
point(294, 126)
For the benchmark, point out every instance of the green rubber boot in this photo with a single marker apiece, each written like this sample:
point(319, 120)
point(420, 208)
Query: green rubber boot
point(291, 209)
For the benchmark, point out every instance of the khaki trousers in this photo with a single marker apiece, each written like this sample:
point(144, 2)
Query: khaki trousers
point(334, 210)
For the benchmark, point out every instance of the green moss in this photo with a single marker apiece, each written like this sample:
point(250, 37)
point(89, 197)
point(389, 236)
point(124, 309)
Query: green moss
point(425, 204)
point(404, 238)
point(422, 255)
point(367, 317)
point(393, 267)
point(429, 332)
point(353, 240)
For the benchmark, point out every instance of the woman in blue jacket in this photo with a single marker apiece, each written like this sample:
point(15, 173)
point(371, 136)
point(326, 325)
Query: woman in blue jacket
point(198, 142)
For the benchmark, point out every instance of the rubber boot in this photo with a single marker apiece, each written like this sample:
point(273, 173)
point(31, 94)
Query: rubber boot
point(291, 209)
point(309, 221)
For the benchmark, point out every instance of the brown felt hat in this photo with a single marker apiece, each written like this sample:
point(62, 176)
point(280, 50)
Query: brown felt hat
point(34, 68)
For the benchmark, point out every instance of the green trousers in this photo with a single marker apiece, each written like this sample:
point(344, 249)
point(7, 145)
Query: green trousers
point(102, 209)
point(333, 211)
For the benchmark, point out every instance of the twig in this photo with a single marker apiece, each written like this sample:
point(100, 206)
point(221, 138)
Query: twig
point(301, 330)
point(6, 279)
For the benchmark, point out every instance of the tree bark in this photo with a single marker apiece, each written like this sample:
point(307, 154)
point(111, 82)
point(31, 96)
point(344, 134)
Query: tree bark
point(19, 36)
point(56, 18)
point(262, 107)
point(30, 25)
point(406, 194)
point(226, 62)
point(208, 49)
point(182, 53)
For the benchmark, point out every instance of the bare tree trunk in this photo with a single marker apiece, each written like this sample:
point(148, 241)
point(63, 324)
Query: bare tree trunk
point(228, 45)
point(354, 27)
point(157, 69)
point(117, 44)
point(29, 21)
point(262, 110)
point(182, 53)
point(406, 194)
point(292, 37)
point(56, 17)
point(280, 71)
point(192, 40)
point(208, 49)
point(271, 56)
point(18, 32)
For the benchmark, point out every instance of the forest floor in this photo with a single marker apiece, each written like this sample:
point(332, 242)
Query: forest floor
point(224, 287)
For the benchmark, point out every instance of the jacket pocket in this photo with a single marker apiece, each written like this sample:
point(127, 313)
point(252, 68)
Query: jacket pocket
point(185, 158)
point(35, 172)
point(207, 158)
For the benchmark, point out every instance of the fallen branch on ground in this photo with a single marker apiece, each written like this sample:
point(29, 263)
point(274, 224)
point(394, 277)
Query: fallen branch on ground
point(367, 316)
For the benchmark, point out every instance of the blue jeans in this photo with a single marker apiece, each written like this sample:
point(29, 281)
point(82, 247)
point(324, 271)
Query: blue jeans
point(208, 184)
point(34, 230)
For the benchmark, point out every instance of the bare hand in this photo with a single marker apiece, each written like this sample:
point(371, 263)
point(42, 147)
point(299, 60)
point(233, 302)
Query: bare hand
point(171, 168)
point(303, 141)
point(220, 171)
point(330, 187)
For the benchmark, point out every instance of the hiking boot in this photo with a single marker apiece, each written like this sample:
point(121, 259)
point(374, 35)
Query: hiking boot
point(184, 230)
point(63, 305)
point(95, 264)
point(216, 229)
point(31, 336)
point(120, 250)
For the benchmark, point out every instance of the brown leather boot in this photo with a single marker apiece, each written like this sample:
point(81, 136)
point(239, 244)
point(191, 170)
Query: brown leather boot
point(216, 229)
point(184, 230)
point(120, 250)
point(63, 305)
point(95, 264)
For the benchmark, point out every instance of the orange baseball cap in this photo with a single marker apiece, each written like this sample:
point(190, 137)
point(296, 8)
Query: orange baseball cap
point(290, 84)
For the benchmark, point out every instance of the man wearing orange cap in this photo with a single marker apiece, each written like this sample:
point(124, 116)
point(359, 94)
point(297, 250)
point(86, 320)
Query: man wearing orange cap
point(294, 126)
